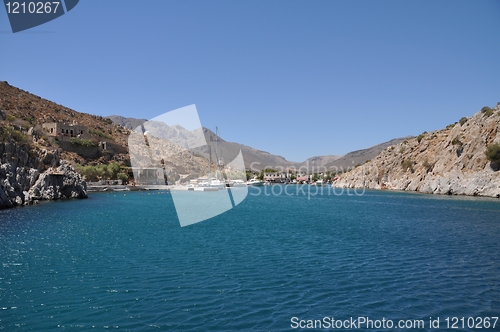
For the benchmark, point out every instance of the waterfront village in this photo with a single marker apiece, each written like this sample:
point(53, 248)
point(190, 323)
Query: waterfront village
point(150, 179)
point(78, 138)
point(153, 178)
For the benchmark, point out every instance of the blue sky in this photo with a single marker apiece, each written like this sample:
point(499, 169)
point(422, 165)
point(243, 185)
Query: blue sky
point(295, 78)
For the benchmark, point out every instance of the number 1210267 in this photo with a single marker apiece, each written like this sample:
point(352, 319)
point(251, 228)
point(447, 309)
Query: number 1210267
point(40, 7)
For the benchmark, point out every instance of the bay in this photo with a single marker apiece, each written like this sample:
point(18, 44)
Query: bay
point(122, 261)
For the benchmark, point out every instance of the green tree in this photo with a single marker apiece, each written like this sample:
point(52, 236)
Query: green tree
point(122, 176)
point(102, 171)
point(249, 175)
point(261, 175)
point(90, 173)
point(113, 170)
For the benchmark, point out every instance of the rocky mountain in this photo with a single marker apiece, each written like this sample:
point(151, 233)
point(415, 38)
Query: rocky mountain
point(447, 161)
point(254, 159)
point(129, 123)
point(319, 161)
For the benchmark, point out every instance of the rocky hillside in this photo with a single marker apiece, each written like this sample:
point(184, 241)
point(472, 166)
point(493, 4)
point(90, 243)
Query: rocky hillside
point(177, 161)
point(32, 164)
point(24, 110)
point(447, 161)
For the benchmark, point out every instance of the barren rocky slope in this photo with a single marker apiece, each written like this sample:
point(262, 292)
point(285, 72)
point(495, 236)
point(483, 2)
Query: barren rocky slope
point(447, 161)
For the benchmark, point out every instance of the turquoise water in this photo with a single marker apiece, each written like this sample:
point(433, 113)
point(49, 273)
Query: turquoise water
point(123, 262)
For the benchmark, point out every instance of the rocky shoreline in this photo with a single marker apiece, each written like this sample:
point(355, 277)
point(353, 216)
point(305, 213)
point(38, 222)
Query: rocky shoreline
point(29, 175)
point(451, 161)
point(26, 186)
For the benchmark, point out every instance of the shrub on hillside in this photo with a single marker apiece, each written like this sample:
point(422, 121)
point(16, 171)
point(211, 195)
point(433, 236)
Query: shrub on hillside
point(82, 142)
point(487, 111)
point(493, 153)
point(428, 166)
point(457, 141)
point(10, 133)
point(420, 137)
point(463, 121)
point(407, 165)
point(100, 134)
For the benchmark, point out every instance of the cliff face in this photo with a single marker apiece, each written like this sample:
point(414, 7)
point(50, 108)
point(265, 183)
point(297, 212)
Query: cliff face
point(448, 161)
point(29, 174)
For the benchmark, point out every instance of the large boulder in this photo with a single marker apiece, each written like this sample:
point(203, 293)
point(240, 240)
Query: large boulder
point(60, 183)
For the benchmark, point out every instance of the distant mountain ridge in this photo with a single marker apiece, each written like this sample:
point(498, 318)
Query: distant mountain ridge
point(256, 159)
point(357, 157)
point(129, 123)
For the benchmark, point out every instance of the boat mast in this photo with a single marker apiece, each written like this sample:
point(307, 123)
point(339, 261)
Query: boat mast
point(220, 158)
point(216, 155)
point(209, 158)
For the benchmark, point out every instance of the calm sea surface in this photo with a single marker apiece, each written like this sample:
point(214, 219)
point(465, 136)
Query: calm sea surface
point(123, 262)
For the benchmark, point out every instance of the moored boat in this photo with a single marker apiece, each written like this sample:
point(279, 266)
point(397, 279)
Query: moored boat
point(255, 182)
point(237, 183)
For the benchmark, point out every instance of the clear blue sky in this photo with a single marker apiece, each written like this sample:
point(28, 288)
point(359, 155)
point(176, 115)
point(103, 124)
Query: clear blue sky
point(295, 78)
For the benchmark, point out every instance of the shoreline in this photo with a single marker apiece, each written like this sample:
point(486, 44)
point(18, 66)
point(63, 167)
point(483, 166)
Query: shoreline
point(318, 189)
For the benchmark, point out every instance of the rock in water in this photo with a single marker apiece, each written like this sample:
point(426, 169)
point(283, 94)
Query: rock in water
point(62, 183)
